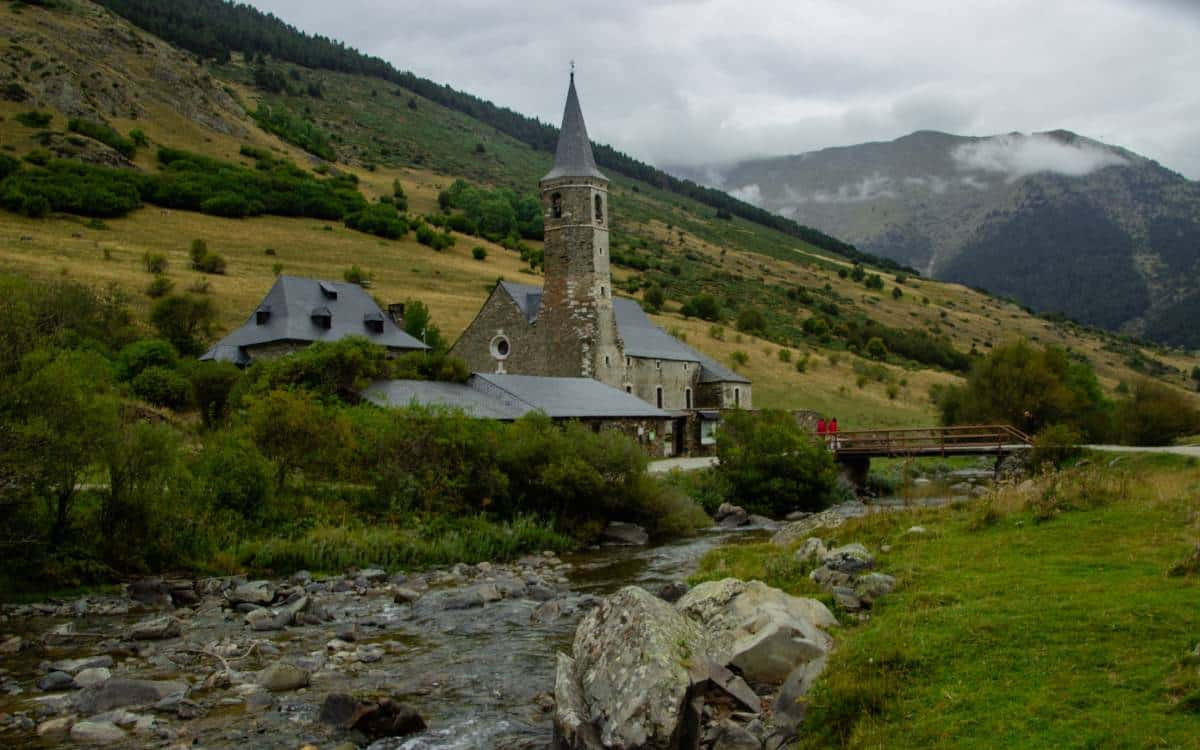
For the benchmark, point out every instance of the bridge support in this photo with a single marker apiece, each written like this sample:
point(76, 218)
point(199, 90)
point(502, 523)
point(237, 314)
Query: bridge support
point(855, 468)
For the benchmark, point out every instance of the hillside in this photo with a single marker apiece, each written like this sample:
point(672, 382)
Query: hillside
point(81, 61)
point(1060, 222)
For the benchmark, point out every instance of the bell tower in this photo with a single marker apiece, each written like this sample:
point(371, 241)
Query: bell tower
point(576, 322)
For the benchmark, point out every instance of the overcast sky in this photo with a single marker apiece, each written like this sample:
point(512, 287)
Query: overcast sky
point(708, 81)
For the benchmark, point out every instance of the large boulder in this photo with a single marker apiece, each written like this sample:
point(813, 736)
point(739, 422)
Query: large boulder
point(799, 530)
point(629, 683)
point(282, 676)
point(625, 534)
point(123, 693)
point(761, 630)
point(374, 718)
point(260, 593)
point(730, 516)
point(849, 558)
point(97, 732)
point(156, 629)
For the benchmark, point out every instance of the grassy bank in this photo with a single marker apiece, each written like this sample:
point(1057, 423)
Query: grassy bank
point(1043, 618)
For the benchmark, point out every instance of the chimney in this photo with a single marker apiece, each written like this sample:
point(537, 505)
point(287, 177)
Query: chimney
point(396, 312)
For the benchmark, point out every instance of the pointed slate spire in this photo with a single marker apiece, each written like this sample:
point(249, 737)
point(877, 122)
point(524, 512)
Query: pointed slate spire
point(574, 155)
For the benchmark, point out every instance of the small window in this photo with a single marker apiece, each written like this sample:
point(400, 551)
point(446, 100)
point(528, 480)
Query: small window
point(737, 397)
point(262, 315)
point(628, 388)
point(628, 362)
point(556, 205)
point(599, 210)
point(328, 291)
point(606, 360)
point(500, 347)
point(322, 318)
point(374, 322)
point(658, 364)
point(603, 292)
point(687, 398)
point(658, 396)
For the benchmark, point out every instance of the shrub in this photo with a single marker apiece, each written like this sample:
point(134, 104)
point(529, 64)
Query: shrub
point(34, 119)
point(160, 286)
point(140, 355)
point(232, 474)
point(379, 219)
point(751, 320)
point(479, 253)
point(162, 386)
point(184, 321)
point(654, 298)
point(399, 198)
point(294, 129)
point(355, 275)
point(103, 133)
point(212, 383)
point(772, 465)
point(876, 349)
point(785, 355)
point(1055, 446)
point(205, 261)
point(739, 358)
point(703, 306)
point(1155, 414)
point(72, 187)
point(8, 165)
point(155, 263)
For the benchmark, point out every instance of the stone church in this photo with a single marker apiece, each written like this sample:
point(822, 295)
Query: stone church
point(573, 326)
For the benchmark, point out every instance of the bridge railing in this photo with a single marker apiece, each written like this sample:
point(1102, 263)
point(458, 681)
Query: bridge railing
point(929, 440)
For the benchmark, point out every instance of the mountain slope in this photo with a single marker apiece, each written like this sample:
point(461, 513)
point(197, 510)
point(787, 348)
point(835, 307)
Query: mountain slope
point(811, 313)
point(1058, 221)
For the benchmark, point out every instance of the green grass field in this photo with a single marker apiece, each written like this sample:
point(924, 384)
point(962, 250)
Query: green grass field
point(1013, 630)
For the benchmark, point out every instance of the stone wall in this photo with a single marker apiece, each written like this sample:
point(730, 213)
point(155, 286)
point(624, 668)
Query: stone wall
point(643, 377)
point(655, 436)
point(576, 318)
point(500, 315)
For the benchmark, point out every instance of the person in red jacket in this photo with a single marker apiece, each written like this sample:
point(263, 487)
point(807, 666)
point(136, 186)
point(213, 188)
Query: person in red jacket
point(833, 432)
point(821, 428)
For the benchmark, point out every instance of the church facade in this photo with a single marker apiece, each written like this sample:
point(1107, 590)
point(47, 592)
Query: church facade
point(573, 326)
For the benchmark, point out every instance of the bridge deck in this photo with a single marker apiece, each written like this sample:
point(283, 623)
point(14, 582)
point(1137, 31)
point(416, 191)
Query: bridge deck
point(970, 440)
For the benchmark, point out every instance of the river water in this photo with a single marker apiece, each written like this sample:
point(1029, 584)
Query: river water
point(480, 677)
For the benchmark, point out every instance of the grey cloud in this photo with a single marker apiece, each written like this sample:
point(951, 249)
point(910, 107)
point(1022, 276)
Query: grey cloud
point(705, 81)
point(1016, 156)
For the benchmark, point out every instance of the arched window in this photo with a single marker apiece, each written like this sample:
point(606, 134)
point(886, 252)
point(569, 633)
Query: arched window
point(599, 210)
point(658, 396)
point(628, 388)
point(687, 398)
point(556, 205)
point(737, 397)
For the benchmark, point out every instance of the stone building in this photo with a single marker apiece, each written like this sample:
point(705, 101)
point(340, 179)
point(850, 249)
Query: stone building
point(298, 311)
point(573, 326)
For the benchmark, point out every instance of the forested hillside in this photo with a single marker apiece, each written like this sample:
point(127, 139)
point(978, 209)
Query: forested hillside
point(1060, 222)
point(121, 151)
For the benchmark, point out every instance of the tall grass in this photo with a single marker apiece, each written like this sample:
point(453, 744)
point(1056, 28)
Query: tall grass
point(442, 542)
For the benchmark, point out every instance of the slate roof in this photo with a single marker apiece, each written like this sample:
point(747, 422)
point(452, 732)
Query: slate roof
point(573, 157)
point(508, 397)
point(400, 393)
point(290, 306)
point(642, 338)
point(567, 397)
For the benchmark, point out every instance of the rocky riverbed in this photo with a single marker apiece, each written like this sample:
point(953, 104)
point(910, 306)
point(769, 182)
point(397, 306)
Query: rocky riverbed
point(452, 658)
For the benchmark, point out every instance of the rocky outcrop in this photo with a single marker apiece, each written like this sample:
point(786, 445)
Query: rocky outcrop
point(628, 682)
point(641, 671)
point(625, 534)
point(798, 530)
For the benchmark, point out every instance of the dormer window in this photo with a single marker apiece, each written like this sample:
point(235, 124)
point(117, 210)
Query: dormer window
point(262, 315)
point(328, 291)
point(322, 318)
point(556, 205)
point(374, 322)
point(599, 210)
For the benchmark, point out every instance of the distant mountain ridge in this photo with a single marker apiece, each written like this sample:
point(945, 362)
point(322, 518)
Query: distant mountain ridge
point(1061, 222)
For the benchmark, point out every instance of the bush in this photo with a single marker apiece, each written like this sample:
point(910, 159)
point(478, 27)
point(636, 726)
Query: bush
point(103, 133)
point(703, 306)
point(212, 383)
point(1155, 414)
point(232, 474)
point(772, 465)
point(34, 119)
point(355, 275)
point(162, 386)
point(1055, 446)
point(155, 263)
point(186, 322)
point(140, 355)
point(205, 261)
point(479, 253)
point(654, 298)
point(379, 219)
point(159, 287)
point(72, 187)
point(294, 129)
point(876, 349)
point(751, 321)
point(739, 358)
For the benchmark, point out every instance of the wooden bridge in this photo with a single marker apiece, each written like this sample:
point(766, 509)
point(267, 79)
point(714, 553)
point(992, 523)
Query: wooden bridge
point(854, 449)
